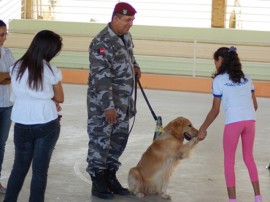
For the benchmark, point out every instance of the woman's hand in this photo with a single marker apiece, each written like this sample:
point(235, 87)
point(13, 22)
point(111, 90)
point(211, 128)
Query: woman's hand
point(58, 107)
point(5, 82)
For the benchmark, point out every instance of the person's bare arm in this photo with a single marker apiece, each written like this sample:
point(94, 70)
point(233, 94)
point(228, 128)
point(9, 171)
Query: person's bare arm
point(4, 78)
point(213, 113)
point(254, 101)
point(58, 93)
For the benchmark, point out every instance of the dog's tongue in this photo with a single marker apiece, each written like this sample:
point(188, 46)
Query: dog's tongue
point(187, 137)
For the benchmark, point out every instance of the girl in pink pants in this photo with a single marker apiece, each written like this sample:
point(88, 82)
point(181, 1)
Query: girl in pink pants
point(235, 91)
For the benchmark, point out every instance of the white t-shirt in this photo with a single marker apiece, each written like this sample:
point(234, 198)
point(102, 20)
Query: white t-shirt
point(31, 106)
point(6, 61)
point(236, 98)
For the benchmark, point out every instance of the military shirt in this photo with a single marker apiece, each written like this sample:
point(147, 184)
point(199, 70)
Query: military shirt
point(111, 79)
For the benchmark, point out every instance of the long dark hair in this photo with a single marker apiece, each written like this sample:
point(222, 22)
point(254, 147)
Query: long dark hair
point(44, 46)
point(230, 64)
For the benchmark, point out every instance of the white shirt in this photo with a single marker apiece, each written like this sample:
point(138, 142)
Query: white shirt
point(236, 98)
point(6, 60)
point(31, 106)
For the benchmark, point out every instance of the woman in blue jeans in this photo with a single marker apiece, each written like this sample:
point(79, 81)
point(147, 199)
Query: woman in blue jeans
point(6, 61)
point(36, 92)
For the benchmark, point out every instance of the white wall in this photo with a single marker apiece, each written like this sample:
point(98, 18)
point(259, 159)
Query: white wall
point(10, 9)
point(251, 15)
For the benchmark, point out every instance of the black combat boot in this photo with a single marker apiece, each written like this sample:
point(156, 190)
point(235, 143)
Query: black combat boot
point(99, 186)
point(113, 183)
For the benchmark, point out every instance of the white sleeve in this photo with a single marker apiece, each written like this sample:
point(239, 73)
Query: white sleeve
point(55, 76)
point(216, 89)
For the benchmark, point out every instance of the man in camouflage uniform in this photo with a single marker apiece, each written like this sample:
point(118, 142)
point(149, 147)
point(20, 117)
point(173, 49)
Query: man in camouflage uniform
point(109, 100)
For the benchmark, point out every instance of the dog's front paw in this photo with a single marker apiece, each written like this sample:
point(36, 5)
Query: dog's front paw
point(166, 196)
point(194, 140)
point(139, 195)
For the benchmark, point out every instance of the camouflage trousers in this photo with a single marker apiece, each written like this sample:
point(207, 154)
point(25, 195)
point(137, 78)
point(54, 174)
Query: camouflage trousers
point(106, 144)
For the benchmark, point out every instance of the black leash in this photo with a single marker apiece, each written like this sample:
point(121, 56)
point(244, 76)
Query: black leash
point(147, 101)
point(158, 119)
point(137, 82)
point(135, 103)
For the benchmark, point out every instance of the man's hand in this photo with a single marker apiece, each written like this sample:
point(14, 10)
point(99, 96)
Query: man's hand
point(137, 71)
point(110, 116)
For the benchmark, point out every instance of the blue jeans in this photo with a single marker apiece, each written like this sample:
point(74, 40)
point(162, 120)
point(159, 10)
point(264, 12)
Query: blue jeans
point(5, 123)
point(33, 143)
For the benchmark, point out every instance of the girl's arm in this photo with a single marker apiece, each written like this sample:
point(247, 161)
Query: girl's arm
point(213, 113)
point(4, 78)
point(58, 93)
point(254, 101)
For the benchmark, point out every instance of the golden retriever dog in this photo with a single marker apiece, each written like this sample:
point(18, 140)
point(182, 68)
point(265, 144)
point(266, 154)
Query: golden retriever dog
point(152, 173)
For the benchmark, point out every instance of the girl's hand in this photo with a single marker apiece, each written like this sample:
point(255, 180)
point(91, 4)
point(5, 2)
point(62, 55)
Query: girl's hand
point(58, 107)
point(201, 135)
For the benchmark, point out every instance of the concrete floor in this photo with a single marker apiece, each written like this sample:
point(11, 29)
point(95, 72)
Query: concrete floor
point(197, 179)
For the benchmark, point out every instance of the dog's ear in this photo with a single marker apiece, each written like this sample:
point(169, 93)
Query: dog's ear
point(175, 128)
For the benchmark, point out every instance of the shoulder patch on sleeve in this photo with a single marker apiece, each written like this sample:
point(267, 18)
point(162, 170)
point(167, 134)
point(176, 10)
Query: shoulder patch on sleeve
point(101, 51)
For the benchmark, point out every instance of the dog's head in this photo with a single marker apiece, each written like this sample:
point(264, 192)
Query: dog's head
point(181, 128)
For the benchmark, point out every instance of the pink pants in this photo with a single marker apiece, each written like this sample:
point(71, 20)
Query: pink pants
point(232, 133)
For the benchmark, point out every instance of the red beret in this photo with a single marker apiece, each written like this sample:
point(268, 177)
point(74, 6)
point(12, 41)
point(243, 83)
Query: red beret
point(124, 9)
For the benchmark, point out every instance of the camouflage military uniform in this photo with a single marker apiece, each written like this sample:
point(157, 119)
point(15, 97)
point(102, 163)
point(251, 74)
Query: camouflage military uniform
point(111, 84)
